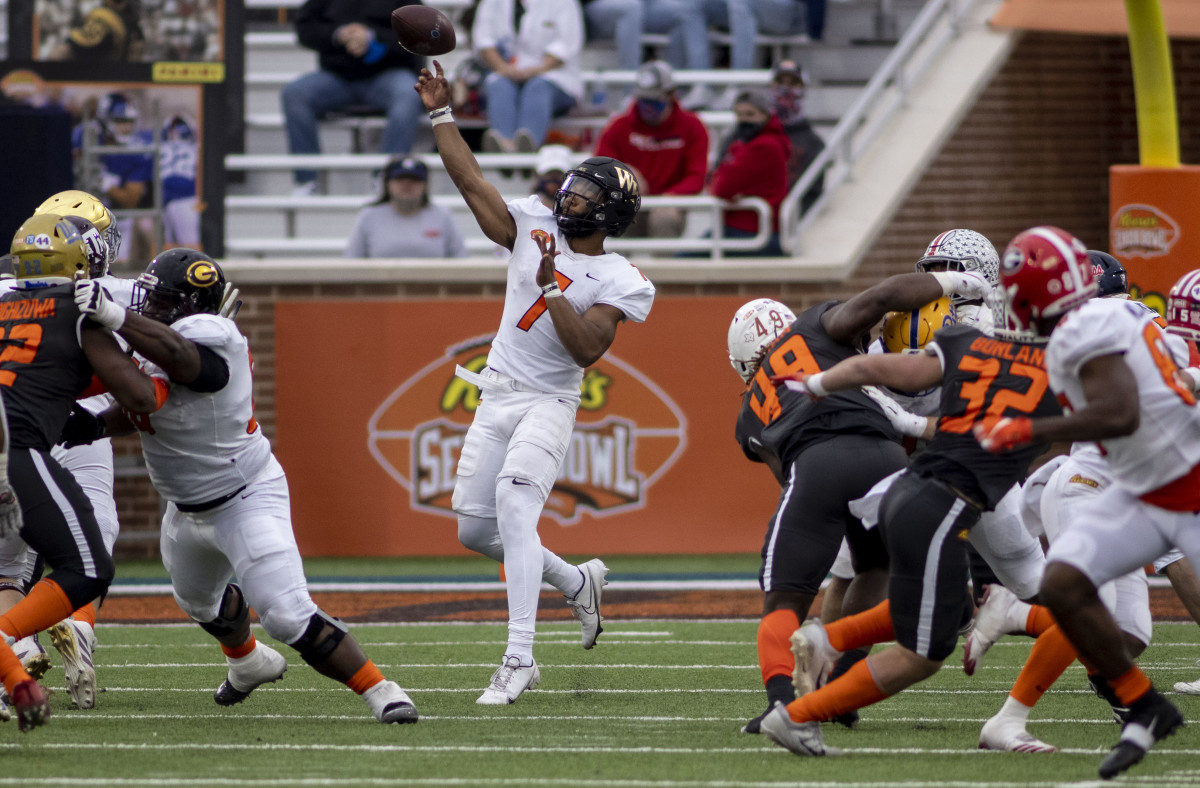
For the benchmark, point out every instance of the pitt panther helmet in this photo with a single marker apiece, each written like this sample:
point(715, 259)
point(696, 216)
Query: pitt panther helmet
point(961, 250)
point(79, 203)
point(756, 325)
point(1110, 274)
point(177, 283)
point(611, 192)
point(909, 332)
point(1045, 274)
point(1183, 306)
point(49, 250)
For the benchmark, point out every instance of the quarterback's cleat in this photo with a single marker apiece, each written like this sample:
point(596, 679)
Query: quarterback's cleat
point(509, 681)
point(261, 666)
point(31, 704)
point(389, 703)
point(1151, 719)
point(586, 603)
point(33, 657)
point(815, 658)
point(997, 616)
point(802, 738)
point(1001, 733)
point(75, 642)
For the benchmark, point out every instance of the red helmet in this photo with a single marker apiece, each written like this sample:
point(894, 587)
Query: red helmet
point(1183, 306)
point(1044, 273)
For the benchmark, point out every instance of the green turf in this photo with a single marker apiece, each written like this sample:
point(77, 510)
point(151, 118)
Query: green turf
point(655, 704)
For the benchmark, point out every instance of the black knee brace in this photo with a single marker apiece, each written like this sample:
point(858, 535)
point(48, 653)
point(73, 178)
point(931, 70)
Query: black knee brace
point(312, 646)
point(228, 621)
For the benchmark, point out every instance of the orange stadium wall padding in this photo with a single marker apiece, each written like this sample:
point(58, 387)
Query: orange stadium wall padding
point(370, 421)
point(1154, 226)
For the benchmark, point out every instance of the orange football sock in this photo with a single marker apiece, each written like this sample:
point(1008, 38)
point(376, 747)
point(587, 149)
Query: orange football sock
point(44, 607)
point(237, 652)
point(1050, 656)
point(1130, 686)
point(852, 690)
point(774, 646)
point(1038, 620)
point(366, 677)
point(11, 672)
point(86, 614)
point(862, 629)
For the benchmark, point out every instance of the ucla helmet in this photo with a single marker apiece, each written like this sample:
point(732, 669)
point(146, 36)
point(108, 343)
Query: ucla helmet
point(74, 202)
point(49, 250)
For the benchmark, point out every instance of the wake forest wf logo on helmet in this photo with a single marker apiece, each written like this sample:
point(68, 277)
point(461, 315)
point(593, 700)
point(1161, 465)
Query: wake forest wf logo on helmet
point(628, 434)
point(202, 273)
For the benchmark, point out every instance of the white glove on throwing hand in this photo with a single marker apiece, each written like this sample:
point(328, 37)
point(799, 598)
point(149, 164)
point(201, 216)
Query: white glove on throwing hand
point(96, 303)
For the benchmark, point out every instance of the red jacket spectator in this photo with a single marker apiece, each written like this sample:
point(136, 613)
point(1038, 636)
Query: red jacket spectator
point(756, 166)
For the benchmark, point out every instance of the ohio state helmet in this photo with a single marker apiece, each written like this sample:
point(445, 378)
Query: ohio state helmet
point(611, 192)
point(177, 283)
point(49, 250)
point(1183, 306)
point(909, 332)
point(961, 250)
point(1045, 273)
point(755, 326)
point(74, 202)
point(1110, 274)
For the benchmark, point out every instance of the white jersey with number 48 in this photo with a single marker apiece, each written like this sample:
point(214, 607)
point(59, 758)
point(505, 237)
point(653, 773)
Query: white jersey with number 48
point(526, 347)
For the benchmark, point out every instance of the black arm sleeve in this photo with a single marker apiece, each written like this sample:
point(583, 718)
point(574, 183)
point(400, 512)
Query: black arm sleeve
point(214, 372)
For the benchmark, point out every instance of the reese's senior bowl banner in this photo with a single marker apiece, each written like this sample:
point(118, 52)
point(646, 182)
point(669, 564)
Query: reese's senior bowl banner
point(370, 421)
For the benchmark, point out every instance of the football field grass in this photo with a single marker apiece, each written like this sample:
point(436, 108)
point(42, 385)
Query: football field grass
point(655, 704)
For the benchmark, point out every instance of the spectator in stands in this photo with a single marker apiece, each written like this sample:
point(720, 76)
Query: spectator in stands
point(666, 144)
point(745, 20)
point(532, 49)
point(788, 84)
point(402, 223)
point(625, 21)
point(178, 154)
point(752, 163)
point(553, 161)
point(360, 63)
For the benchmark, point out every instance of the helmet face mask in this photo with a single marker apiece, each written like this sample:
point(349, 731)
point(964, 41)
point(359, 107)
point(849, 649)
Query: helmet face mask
point(1183, 306)
point(755, 327)
point(74, 202)
point(610, 193)
point(49, 250)
point(177, 283)
point(961, 250)
point(909, 332)
point(1044, 274)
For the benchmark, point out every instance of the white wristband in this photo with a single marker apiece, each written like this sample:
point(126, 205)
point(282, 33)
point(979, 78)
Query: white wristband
point(440, 115)
point(551, 290)
point(813, 384)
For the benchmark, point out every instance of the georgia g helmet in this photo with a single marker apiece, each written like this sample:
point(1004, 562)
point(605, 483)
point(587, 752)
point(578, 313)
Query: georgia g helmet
point(1044, 274)
point(1183, 306)
point(177, 283)
point(611, 192)
point(1110, 274)
point(756, 325)
point(909, 332)
point(74, 202)
point(961, 250)
point(49, 250)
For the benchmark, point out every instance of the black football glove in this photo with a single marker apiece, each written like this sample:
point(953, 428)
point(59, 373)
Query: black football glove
point(82, 427)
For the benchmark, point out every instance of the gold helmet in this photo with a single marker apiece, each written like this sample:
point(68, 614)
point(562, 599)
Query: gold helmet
point(908, 332)
point(74, 202)
point(49, 250)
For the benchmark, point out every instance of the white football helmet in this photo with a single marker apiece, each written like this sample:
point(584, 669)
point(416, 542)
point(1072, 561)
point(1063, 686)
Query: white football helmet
point(1183, 306)
point(962, 250)
point(755, 326)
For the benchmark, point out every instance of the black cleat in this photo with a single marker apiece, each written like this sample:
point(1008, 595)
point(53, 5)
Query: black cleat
point(1151, 719)
point(849, 719)
point(755, 725)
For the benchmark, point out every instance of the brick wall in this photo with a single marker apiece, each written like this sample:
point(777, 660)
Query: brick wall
point(1035, 149)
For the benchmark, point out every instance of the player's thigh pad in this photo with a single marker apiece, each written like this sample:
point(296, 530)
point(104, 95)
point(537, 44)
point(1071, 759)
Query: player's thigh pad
point(539, 444)
point(843, 567)
point(92, 466)
point(1131, 604)
point(198, 569)
point(482, 455)
point(1068, 487)
point(1012, 553)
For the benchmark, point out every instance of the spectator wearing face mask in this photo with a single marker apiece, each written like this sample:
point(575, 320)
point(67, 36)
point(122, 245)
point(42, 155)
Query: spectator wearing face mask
point(789, 82)
point(553, 161)
point(402, 223)
point(666, 144)
point(753, 163)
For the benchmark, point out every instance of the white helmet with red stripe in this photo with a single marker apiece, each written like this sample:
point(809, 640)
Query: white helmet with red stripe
point(1183, 306)
point(1045, 273)
point(755, 326)
point(962, 250)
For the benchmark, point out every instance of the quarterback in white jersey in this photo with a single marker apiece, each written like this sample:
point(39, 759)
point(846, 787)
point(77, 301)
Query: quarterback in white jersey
point(566, 296)
point(228, 512)
point(1114, 368)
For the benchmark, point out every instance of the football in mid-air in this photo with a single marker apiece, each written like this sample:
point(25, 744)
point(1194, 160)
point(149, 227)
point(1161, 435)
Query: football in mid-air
point(423, 30)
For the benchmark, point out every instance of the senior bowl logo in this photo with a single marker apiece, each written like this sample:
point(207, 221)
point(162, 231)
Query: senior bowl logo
point(1141, 231)
point(628, 433)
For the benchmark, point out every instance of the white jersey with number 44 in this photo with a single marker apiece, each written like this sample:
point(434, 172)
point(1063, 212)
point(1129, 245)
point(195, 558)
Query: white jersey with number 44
point(526, 347)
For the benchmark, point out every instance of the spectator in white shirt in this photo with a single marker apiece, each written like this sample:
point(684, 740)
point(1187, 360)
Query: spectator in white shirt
point(402, 223)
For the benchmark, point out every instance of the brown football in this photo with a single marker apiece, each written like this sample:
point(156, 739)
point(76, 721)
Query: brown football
point(423, 30)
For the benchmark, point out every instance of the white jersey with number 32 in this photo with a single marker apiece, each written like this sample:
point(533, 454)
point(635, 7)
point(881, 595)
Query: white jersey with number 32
point(1166, 444)
point(526, 347)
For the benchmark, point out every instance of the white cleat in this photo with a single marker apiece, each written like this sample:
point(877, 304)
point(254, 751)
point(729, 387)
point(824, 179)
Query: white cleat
point(586, 604)
point(261, 666)
point(33, 657)
point(814, 657)
point(1000, 733)
point(389, 703)
point(509, 681)
point(997, 616)
point(75, 642)
point(802, 738)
